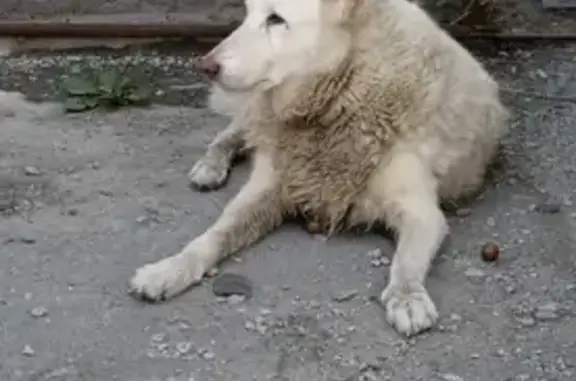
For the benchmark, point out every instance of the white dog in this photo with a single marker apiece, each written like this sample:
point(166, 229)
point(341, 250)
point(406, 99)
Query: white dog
point(359, 111)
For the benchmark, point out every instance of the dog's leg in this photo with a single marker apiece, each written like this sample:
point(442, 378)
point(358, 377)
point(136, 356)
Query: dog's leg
point(212, 170)
point(406, 190)
point(254, 212)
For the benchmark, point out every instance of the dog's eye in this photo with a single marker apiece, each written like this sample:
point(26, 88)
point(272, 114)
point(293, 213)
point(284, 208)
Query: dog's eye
point(274, 19)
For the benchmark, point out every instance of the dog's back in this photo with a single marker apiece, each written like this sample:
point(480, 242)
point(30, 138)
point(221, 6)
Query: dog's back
point(451, 103)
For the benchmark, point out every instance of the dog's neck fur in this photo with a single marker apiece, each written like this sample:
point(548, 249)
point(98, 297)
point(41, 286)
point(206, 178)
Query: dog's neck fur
point(318, 132)
point(309, 100)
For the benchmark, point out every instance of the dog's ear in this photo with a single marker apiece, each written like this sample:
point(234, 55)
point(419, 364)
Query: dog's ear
point(341, 11)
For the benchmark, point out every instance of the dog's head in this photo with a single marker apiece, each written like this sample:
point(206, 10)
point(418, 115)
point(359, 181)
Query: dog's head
point(279, 39)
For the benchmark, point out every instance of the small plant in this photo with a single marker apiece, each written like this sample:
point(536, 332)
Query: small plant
point(110, 89)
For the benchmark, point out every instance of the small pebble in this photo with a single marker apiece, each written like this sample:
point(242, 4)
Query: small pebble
point(31, 171)
point(72, 212)
point(527, 321)
point(548, 208)
point(546, 312)
point(455, 317)
point(183, 347)
point(375, 254)
point(501, 352)
point(28, 351)
point(249, 326)
point(474, 273)
point(545, 315)
point(158, 337)
point(27, 240)
point(463, 212)
point(375, 263)
point(236, 299)
point(207, 355)
point(38, 312)
point(541, 73)
point(345, 296)
point(490, 252)
point(450, 377)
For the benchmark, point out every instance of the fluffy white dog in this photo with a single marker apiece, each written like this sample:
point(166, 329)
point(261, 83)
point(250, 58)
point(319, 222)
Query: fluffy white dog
point(359, 111)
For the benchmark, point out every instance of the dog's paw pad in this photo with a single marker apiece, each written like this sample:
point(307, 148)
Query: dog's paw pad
point(208, 174)
point(409, 312)
point(162, 280)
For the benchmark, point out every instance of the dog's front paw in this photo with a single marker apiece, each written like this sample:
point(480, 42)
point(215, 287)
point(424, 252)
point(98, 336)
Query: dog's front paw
point(208, 174)
point(409, 311)
point(164, 279)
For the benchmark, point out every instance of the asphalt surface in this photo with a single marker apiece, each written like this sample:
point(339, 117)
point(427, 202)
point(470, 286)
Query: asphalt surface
point(86, 199)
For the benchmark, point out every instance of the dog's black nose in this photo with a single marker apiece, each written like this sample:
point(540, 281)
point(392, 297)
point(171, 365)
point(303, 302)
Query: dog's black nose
point(210, 67)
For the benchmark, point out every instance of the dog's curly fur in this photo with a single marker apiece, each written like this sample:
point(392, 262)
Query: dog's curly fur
point(391, 117)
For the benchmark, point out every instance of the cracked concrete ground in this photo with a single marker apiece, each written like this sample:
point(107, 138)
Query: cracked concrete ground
point(86, 199)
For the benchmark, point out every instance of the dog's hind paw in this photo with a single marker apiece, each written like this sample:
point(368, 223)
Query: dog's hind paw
point(410, 312)
point(208, 174)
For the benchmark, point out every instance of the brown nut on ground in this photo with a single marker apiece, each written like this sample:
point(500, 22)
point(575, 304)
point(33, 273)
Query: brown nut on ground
point(490, 252)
